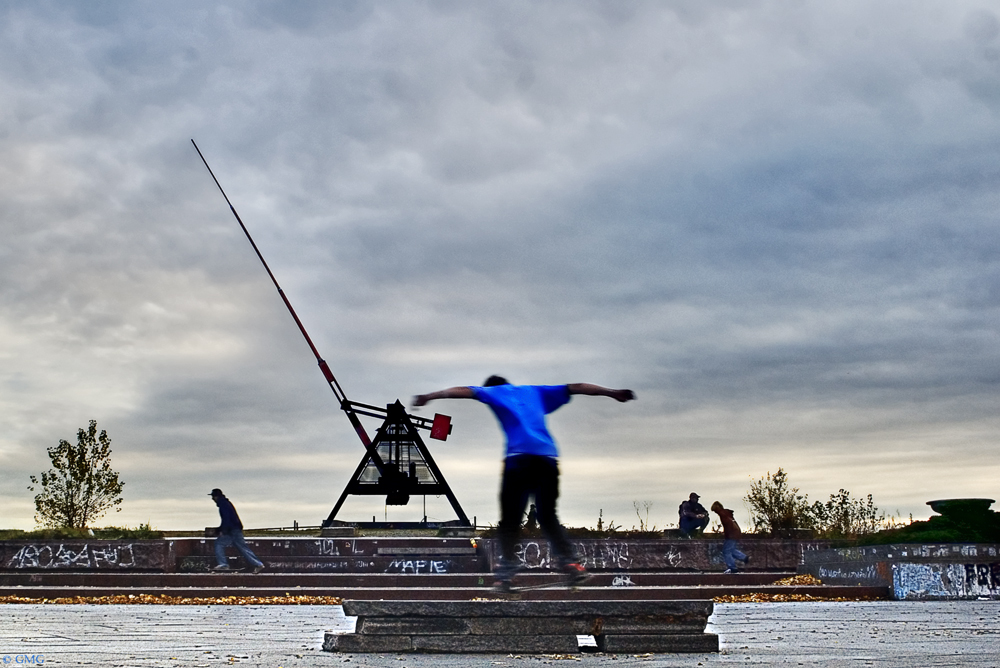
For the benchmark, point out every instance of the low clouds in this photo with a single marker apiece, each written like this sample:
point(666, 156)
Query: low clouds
point(774, 221)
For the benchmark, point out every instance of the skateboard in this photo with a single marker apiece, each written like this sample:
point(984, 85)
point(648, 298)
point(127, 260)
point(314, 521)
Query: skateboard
point(568, 583)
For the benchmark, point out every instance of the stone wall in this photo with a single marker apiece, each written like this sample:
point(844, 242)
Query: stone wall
point(394, 555)
point(704, 554)
point(913, 571)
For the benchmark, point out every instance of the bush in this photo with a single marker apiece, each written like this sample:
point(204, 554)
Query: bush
point(775, 506)
point(842, 516)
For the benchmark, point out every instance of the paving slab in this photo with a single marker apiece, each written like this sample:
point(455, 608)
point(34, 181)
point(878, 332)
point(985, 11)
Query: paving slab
point(504, 608)
point(883, 634)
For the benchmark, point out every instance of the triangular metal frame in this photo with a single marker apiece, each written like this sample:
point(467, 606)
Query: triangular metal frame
point(397, 465)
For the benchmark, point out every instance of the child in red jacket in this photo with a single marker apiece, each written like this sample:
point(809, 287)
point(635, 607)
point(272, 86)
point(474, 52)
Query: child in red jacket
point(730, 533)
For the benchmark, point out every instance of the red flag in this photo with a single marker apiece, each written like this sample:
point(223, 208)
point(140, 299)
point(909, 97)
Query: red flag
point(441, 427)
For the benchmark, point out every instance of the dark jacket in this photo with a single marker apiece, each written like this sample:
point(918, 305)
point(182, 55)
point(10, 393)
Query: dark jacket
point(692, 509)
point(230, 520)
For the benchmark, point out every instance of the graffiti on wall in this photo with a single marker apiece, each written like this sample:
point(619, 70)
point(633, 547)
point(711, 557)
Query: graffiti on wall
point(857, 575)
point(945, 581)
point(332, 547)
point(602, 555)
point(73, 556)
point(416, 566)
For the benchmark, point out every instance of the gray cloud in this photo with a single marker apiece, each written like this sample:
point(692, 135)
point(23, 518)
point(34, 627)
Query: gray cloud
point(776, 223)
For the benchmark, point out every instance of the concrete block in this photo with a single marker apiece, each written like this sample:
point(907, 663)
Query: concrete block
point(674, 643)
point(354, 642)
point(412, 625)
point(649, 625)
point(533, 644)
point(520, 626)
point(686, 609)
point(588, 626)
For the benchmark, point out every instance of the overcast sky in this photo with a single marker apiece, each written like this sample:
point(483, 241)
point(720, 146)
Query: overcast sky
point(776, 222)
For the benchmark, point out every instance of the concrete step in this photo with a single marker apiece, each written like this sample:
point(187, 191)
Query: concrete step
point(360, 564)
point(652, 593)
point(367, 580)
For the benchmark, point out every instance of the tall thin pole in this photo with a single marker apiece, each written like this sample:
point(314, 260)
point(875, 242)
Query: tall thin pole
point(324, 367)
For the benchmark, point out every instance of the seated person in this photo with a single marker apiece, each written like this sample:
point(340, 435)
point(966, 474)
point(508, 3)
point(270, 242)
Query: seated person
point(693, 516)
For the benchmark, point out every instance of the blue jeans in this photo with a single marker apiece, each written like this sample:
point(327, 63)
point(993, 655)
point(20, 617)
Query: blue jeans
point(234, 537)
point(688, 525)
point(731, 554)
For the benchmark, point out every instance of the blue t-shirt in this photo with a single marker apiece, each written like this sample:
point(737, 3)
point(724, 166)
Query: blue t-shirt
point(521, 410)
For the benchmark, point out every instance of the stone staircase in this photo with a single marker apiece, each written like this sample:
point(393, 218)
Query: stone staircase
point(396, 568)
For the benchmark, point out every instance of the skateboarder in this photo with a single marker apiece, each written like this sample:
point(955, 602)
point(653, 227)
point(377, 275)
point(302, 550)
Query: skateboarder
point(231, 533)
point(530, 466)
point(730, 534)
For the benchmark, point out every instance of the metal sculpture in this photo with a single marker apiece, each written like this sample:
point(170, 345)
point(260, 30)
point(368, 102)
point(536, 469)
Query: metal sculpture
point(397, 463)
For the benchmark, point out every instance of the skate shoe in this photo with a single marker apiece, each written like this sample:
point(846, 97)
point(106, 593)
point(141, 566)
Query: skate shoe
point(503, 586)
point(575, 574)
point(504, 573)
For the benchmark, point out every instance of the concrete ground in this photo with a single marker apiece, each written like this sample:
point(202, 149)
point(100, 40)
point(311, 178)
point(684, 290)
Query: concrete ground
point(896, 634)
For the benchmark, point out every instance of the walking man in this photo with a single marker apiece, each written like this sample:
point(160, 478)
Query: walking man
point(530, 464)
point(231, 533)
point(730, 534)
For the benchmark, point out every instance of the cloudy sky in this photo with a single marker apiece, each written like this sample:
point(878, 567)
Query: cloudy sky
point(775, 221)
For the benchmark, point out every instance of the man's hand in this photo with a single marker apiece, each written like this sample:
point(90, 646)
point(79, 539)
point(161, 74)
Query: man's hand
point(622, 395)
point(420, 400)
point(598, 391)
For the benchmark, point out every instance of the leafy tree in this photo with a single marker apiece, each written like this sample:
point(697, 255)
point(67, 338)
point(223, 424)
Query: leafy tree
point(81, 485)
point(775, 506)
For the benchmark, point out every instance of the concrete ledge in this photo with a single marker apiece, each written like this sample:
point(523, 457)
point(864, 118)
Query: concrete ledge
point(352, 642)
point(538, 644)
point(561, 644)
point(591, 625)
point(686, 643)
point(499, 608)
point(502, 626)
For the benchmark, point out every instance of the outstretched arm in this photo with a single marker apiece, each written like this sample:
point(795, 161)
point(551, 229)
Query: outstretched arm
point(450, 393)
point(598, 391)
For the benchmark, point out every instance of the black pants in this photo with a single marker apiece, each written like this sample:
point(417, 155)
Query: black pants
point(524, 476)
